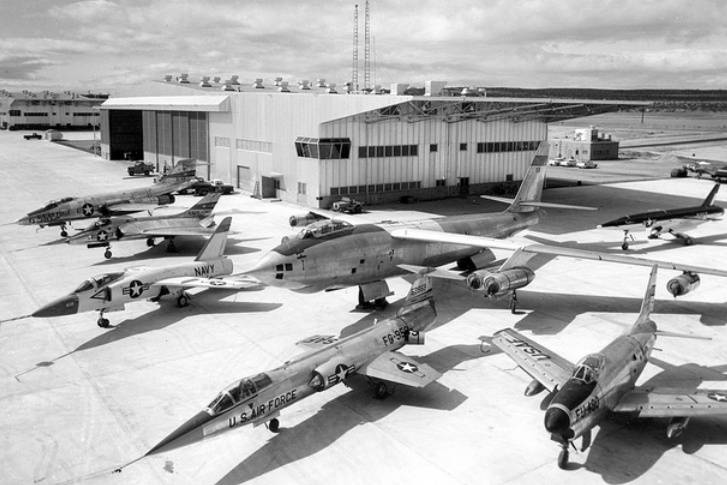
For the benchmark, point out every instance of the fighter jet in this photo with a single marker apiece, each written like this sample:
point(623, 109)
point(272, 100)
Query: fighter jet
point(112, 291)
point(582, 395)
point(333, 254)
point(196, 221)
point(61, 212)
point(672, 221)
point(516, 272)
point(328, 361)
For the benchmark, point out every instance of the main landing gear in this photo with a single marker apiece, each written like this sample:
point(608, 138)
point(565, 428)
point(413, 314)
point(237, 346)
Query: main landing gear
point(563, 456)
point(687, 240)
point(274, 425)
point(171, 248)
point(64, 231)
point(378, 303)
point(107, 254)
point(627, 236)
point(151, 242)
point(513, 302)
point(102, 322)
point(183, 299)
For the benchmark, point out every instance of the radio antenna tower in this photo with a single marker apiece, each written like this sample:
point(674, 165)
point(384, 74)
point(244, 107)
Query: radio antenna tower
point(354, 66)
point(367, 48)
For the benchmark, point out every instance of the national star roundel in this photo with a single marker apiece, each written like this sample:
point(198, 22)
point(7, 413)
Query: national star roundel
point(102, 235)
point(87, 209)
point(407, 367)
point(718, 396)
point(136, 288)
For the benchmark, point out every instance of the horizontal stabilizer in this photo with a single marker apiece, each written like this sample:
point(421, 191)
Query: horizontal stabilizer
point(663, 333)
point(401, 369)
point(537, 203)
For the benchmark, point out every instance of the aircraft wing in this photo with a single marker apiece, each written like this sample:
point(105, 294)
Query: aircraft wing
point(316, 342)
point(543, 365)
point(513, 245)
point(176, 231)
point(125, 207)
point(399, 368)
point(657, 404)
point(239, 283)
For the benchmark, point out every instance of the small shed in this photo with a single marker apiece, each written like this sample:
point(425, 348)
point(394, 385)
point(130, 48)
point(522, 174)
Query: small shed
point(53, 135)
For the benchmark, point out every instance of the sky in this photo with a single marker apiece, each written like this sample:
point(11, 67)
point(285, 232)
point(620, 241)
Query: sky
point(107, 44)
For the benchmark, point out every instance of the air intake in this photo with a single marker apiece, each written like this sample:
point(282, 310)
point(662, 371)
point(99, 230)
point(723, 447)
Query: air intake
point(205, 82)
point(332, 88)
point(277, 81)
point(283, 87)
point(321, 83)
point(304, 85)
point(183, 78)
point(258, 84)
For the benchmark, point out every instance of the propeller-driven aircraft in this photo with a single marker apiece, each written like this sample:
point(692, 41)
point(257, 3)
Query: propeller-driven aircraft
point(112, 291)
point(334, 254)
point(583, 394)
point(61, 212)
point(672, 221)
point(515, 273)
point(371, 352)
point(195, 221)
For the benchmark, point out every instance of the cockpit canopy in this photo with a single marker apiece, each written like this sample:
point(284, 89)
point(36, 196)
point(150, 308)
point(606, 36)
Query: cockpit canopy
point(589, 368)
point(53, 203)
point(239, 391)
point(98, 281)
point(321, 229)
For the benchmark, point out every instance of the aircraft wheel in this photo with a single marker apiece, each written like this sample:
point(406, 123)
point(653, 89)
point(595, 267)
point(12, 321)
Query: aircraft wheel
point(688, 241)
point(64, 233)
point(274, 425)
point(183, 300)
point(381, 303)
point(150, 242)
point(103, 322)
point(625, 246)
point(107, 254)
point(381, 391)
point(563, 459)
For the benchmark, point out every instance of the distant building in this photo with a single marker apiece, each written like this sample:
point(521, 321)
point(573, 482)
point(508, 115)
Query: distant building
point(47, 109)
point(311, 143)
point(585, 144)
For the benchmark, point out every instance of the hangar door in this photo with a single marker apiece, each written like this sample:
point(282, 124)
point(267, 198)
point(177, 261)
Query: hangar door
point(244, 178)
point(122, 128)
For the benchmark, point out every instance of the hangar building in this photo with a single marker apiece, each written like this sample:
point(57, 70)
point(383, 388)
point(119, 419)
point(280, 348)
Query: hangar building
point(311, 145)
point(48, 109)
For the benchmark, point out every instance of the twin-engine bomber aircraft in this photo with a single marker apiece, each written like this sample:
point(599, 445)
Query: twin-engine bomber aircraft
point(195, 221)
point(515, 273)
point(111, 291)
point(333, 254)
point(370, 352)
point(672, 221)
point(584, 394)
point(62, 212)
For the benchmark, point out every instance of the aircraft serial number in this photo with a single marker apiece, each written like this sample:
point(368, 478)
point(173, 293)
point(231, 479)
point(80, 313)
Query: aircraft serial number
point(536, 354)
point(395, 336)
point(587, 408)
point(261, 409)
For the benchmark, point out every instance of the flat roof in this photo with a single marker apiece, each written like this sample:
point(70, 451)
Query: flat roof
point(216, 103)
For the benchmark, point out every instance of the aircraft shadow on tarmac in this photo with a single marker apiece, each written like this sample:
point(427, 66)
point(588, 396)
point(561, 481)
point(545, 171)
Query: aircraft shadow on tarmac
point(647, 247)
point(354, 408)
point(163, 316)
point(624, 449)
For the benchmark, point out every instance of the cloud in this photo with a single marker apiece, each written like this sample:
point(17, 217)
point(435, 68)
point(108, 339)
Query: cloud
point(21, 67)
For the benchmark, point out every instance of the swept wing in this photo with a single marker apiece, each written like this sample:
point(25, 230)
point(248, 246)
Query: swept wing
point(399, 368)
point(239, 283)
point(513, 245)
point(657, 404)
point(543, 365)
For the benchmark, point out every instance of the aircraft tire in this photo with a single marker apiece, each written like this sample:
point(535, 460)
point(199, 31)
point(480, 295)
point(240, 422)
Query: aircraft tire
point(107, 254)
point(625, 246)
point(563, 459)
point(688, 241)
point(274, 425)
point(150, 242)
point(103, 322)
point(64, 233)
point(183, 300)
point(381, 391)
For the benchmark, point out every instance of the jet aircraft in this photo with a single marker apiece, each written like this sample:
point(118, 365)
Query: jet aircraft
point(582, 395)
point(371, 352)
point(112, 291)
point(61, 212)
point(196, 221)
point(515, 273)
point(672, 221)
point(334, 254)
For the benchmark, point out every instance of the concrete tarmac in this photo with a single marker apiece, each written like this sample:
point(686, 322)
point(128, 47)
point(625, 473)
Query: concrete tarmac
point(79, 401)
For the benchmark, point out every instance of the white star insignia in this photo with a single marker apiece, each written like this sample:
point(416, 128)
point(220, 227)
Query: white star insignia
point(407, 367)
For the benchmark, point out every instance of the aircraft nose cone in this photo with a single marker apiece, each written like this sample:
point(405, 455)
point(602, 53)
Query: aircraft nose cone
point(556, 421)
point(66, 305)
point(174, 438)
point(268, 267)
point(23, 221)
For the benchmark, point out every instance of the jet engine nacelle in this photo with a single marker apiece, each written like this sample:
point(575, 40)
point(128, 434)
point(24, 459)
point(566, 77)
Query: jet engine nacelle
point(676, 427)
point(304, 219)
point(414, 338)
point(683, 284)
point(498, 283)
point(165, 199)
point(535, 387)
point(328, 374)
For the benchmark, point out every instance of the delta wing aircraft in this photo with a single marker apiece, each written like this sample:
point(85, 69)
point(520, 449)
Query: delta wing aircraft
point(515, 273)
point(333, 254)
point(582, 395)
point(195, 221)
point(61, 212)
point(672, 221)
point(371, 352)
point(112, 291)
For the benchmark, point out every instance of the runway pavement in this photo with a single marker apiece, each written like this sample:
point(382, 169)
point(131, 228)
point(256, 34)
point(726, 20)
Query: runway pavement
point(79, 401)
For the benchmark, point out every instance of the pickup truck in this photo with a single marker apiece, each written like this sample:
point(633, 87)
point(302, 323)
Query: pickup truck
point(204, 187)
point(346, 204)
point(33, 136)
point(140, 168)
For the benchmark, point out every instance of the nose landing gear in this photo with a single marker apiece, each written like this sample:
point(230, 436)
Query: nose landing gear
point(102, 322)
point(627, 236)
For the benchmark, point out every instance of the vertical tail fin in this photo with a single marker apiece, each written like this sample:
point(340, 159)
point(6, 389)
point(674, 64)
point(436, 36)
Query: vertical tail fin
point(214, 248)
point(420, 290)
point(185, 169)
point(647, 305)
point(204, 207)
point(710, 198)
point(531, 189)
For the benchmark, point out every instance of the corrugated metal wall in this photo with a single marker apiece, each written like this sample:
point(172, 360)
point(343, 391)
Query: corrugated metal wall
point(170, 136)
